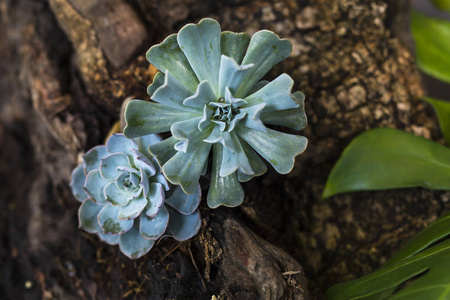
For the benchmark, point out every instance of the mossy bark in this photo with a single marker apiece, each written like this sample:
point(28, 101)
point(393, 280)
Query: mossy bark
point(67, 66)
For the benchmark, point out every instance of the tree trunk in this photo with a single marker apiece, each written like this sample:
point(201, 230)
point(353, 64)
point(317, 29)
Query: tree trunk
point(67, 66)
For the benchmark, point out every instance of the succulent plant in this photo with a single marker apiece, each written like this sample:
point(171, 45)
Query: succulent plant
point(209, 95)
point(127, 201)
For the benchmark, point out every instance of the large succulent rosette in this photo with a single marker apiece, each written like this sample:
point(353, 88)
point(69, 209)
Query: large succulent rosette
point(209, 95)
point(127, 201)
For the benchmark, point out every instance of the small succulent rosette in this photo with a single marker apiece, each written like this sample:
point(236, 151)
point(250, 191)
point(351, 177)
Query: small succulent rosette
point(127, 201)
point(209, 95)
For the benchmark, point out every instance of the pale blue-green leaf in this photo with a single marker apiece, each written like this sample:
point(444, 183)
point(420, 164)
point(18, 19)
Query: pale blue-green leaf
point(201, 45)
point(265, 50)
point(442, 109)
point(442, 4)
point(234, 101)
point(276, 95)
point(223, 138)
point(145, 183)
point(133, 245)
point(77, 183)
point(203, 95)
point(237, 118)
point(94, 186)
point(183, 227)
point(108, 217)
point(164, 150)
point(184, 132)
point(183, 203)
point(93, 158)
point(234, 45)
point(109, 165)
point(258, 166)
point(154, 228)
point(417, 257)
point(259, 85)
point(386, 158)
point(432, 37)
point(253, 117)
point(233, 160)
point(168, 56)
point(87, 216)
point(145, 117)
point(294, 118)
point(116, 196)
point(278, 148)
point(231, 75)
point(159, 178)
point(155, 199)
point(133, 208)
point(206, 119)
point(112, 239)
point(141, 161)
point(225, 191)
point(118, 143)
point(158, 81)
point(172, 94)
point(145, 141)
point(134, 179)
point(184, 168)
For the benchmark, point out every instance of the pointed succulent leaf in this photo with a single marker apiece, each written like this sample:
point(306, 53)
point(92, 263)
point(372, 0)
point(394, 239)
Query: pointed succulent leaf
point(172, 94)
point(234, 45)
point(111, 163)
point(141, 115)
point(112, 239)
point(265, 50)
point(133, 209)
point(258, 166)
point(184, 168)
point(154, 228)
point(279, 149)
point(201, 45)
point(203, 95)
point(116, 196)
point(93, 158)
point(164, 150)
point(118, 143)
point(145, 183)
point(225, 191)
point(183, 227)
point(182, 202)
point(231, 75)
point(87, 216)
point(253, 117)
point(234, 160)
point(94, 186)
point(294, 118)
point(168, 56)
point(142, 161)
point(77, 182)
point(133, 245)
point(155, 199)
point(108, 218)
point(145, 141)
point(276, 95)
point(185, 131)
point(158, 81)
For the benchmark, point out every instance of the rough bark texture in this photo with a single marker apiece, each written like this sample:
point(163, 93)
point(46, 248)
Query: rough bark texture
point(67, 65)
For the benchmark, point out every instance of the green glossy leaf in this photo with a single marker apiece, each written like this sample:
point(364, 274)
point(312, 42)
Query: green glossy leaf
point(416, 258)
point(442, 109)
point(432, 38)
point(386, 158)
point(442, 4)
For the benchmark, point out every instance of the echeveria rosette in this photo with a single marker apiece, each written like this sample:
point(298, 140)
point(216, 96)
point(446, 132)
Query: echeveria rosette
point(210, 96)
point(127, 201)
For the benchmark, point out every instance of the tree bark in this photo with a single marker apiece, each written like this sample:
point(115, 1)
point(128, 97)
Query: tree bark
point(67, 66)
